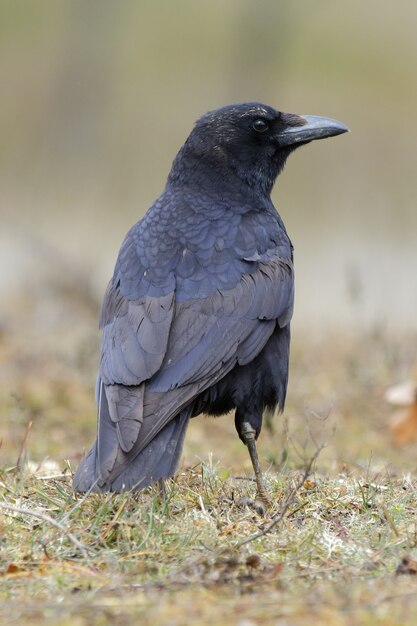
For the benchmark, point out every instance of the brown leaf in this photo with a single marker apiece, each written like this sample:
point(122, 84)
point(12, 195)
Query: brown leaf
point(253, 561)
point(11, 568)
point(403, 425)
point(309, 484)
point(407, 566)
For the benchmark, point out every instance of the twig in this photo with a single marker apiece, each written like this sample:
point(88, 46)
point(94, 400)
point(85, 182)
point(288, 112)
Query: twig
point(279, 516)
point(389, 519)
point(52, 522)
point(111, 524)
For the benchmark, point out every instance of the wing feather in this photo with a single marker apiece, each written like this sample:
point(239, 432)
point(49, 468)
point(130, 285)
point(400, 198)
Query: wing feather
point(207, 338)
point(134, 343)
point(164, 342)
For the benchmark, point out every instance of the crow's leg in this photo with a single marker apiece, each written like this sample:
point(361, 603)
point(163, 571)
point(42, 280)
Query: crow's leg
point(248, 435)
point(162, 489)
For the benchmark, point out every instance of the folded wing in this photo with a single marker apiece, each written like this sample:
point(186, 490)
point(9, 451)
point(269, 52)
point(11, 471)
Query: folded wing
point(159, 353)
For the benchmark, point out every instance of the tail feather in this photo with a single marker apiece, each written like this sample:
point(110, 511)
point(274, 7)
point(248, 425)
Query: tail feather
point(85, 478)
point(159, 459)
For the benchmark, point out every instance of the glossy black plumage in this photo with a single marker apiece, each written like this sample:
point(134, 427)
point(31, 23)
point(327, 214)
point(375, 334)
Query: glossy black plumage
point(196, 317)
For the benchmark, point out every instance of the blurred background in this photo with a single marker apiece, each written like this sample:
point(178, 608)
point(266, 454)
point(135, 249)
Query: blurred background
point(98, 96)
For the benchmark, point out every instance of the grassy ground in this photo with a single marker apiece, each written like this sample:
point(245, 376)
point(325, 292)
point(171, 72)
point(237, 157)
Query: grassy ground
point(343, 553)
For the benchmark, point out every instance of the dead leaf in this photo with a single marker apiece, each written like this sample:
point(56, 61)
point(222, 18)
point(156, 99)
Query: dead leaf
point(309, 484)
point(407, 566)
point(403, 425)
point(253, 561)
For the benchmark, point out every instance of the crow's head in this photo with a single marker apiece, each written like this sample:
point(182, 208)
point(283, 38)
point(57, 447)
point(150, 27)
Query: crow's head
point(250, 140)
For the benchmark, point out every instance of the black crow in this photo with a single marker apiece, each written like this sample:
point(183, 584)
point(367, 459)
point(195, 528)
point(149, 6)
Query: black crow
point(196, 318)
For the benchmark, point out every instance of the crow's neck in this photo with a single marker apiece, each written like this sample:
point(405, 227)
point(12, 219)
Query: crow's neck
point(223, 171)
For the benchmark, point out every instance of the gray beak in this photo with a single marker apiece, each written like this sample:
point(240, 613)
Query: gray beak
point(309, 128)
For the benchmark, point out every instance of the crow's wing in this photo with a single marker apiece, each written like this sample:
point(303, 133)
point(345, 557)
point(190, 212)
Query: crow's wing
point(174, 327)
point(158, 355)
point(229, 327)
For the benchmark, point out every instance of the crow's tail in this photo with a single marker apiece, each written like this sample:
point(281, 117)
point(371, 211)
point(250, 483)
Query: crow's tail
point(159, 459)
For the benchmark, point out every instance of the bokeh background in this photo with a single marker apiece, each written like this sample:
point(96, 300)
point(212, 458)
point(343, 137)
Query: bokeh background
point(97, 97)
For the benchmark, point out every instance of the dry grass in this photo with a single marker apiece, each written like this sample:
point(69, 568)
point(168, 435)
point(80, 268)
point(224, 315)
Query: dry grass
point(332, 559)
point(120, 559)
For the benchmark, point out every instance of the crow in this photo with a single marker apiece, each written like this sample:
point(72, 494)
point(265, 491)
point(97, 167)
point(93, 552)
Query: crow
point(196, 318)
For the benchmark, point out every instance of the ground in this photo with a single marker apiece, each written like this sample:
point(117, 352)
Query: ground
point(343, 550)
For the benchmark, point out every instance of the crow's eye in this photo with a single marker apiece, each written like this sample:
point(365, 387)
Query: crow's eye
point(260, 125)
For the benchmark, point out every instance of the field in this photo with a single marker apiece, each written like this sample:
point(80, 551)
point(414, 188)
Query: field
point(343, 545)
point(97, 99)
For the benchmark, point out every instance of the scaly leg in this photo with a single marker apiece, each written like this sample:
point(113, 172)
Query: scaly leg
point(162, 489)
point(248, 435)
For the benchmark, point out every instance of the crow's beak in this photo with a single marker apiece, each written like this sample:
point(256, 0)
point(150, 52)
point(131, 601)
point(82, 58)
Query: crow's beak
point(308, 128)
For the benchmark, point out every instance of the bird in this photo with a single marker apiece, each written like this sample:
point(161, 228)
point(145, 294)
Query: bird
point(196, 318)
